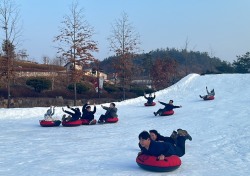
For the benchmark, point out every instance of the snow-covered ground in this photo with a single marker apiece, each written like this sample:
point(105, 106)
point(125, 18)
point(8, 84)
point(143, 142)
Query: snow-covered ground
point(220, 131)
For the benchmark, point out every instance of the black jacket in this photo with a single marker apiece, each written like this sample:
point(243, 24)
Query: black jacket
point(89, 115)
point(165, 139)
point(76, 115)
point(160, 148)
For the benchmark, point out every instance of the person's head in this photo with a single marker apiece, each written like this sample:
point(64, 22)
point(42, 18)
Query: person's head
point(171, 101)
point(144, 139)
point(78, 109)
point(150, 94)
point(153, 135)
point(112, 105)
point(88, 108)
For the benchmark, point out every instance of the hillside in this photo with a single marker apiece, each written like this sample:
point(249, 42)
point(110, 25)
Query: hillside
point(220, 131)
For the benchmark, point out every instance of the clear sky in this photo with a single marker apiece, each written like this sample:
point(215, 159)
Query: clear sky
point(219, 27)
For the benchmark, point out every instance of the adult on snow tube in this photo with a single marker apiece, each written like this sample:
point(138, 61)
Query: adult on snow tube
point(150, 104)
point(210, 95)
point(110, 115)
point(151, 163)
point(167, 113)
point(53, 123)
point(88, 122)
point(72, 123)
point(150, 99)
point(112, 120)
point(208, 98)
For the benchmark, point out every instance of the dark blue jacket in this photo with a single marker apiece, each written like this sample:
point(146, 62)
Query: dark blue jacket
point(76, 115)
point(89, 115)
point(160, 148)
point(169, 107)
point(150, 99)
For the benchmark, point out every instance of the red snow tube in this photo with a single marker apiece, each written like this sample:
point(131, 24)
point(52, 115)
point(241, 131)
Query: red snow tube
point(72, 123)
point(208, 98)
point(151, 163)
point(112, 120)
point(152, 104)
point(167, 113)
point(45, 123)
point(86, 122)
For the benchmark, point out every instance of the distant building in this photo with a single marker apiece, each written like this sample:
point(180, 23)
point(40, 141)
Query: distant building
point(91, 72)
point(70, 65)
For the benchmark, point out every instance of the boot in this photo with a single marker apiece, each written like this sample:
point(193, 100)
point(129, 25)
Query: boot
point(174, 136)
point(155, 113)
point(184, 133)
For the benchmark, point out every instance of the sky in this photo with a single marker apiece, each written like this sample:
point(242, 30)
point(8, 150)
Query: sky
point(220, 28)
point(219, 128)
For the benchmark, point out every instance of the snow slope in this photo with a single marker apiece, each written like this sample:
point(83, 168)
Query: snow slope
point(220, 131)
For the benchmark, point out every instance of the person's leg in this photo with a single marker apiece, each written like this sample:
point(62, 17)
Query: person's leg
point(174, 136)
point(180, 145)
point(64, 117)
point(184, 133)
point(158, 112)
point(101, 119)
point(70, 113)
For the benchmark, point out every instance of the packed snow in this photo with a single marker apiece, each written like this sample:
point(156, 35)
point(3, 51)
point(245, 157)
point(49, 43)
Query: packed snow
point(220, 130)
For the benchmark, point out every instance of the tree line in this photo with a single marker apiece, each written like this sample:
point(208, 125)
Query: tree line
point(75, 44)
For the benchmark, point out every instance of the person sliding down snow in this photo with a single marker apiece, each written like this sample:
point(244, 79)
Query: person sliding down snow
point(150, 98)
point(111, 112)
point(87, 113)
point(168, 107)
point(72, 116)
point(163, 149)
point(50, 112)
point(209, 94)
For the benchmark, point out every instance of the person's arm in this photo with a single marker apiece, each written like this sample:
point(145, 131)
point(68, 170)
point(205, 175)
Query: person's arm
point(53, 111)
point(94, 109)
point(145, 96)
point(165, 147)
point(207, 91)
point(84, 107)
point(162, 103)
point(177, 106)
point(73, 109)
point(104, 107)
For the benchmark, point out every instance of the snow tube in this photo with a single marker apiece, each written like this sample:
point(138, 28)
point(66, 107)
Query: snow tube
point(167, 113)
point(72, 123)
point(152, 104)
point(208, 98)
point(112, 120)
point(151, 163)
point(46, 123)
point(86, 122)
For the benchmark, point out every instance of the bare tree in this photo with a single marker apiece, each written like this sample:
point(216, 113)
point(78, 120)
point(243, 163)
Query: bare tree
point(9, 21)
point(46, 60)
point(185, 54)
point(22, 55)
point(124, 41)
point(75, 41)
